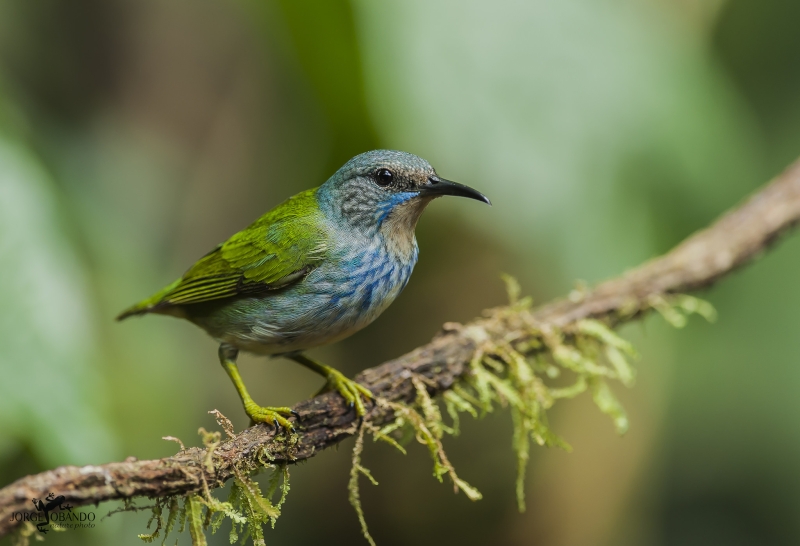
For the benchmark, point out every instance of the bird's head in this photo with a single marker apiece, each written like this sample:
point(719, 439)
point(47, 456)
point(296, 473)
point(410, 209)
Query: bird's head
point(387, 190)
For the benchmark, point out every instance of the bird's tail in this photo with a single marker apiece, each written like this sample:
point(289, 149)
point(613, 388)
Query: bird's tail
point(134, 310)
point(153, 304)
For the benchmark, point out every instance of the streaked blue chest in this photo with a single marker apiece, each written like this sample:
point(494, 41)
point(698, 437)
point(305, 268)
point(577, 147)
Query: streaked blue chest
point(357, 282)
point(367, 280)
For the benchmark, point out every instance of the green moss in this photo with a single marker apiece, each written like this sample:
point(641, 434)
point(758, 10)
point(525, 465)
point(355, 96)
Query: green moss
point(507, 373)
point(357, 469)
point(22, 535)
point(514, 374)
point(247, 509)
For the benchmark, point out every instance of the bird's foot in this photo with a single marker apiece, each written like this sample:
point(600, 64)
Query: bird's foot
point(273, 415)
point(349, 389)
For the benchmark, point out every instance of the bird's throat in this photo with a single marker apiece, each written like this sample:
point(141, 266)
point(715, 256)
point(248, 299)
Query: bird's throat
point(398, 228)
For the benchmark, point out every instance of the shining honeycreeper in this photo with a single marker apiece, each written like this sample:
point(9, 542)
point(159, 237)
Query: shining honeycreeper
point(313, 270)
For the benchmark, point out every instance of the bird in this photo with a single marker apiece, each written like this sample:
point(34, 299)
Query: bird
point(315, 269)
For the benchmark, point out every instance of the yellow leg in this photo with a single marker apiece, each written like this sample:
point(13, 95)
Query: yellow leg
point(259, 414)
point(349, 389)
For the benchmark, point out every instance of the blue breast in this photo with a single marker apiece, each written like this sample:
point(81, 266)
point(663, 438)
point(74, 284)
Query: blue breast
point(371, 279)
point(346, 293)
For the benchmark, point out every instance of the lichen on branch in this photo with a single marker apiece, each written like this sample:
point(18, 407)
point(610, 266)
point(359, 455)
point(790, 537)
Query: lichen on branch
point(512, 373)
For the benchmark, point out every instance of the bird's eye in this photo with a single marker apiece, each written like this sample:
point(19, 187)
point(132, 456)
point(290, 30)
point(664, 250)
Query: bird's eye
point(384, 177)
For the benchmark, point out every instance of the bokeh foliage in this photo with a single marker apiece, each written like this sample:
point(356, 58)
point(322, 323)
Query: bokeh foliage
point(137, 135)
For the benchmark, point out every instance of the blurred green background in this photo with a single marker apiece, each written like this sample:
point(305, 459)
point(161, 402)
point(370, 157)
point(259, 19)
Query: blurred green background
point(136, 135)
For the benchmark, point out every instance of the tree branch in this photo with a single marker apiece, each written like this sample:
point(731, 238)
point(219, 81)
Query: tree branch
point(735, 239)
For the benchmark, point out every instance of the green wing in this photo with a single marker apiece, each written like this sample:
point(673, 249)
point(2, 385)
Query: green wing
point(275, 251)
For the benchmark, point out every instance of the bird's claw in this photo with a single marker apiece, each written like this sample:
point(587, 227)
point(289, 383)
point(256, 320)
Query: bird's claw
point(351, 391)
point(273, 415)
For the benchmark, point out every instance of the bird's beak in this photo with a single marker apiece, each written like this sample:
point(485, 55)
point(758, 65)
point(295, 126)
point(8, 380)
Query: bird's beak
point(439, 186)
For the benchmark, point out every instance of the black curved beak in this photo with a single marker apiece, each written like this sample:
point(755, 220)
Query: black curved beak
point(439, 186)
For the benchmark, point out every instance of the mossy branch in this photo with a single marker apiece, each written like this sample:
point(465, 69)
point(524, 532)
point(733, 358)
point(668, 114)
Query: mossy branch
point(458, 351)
